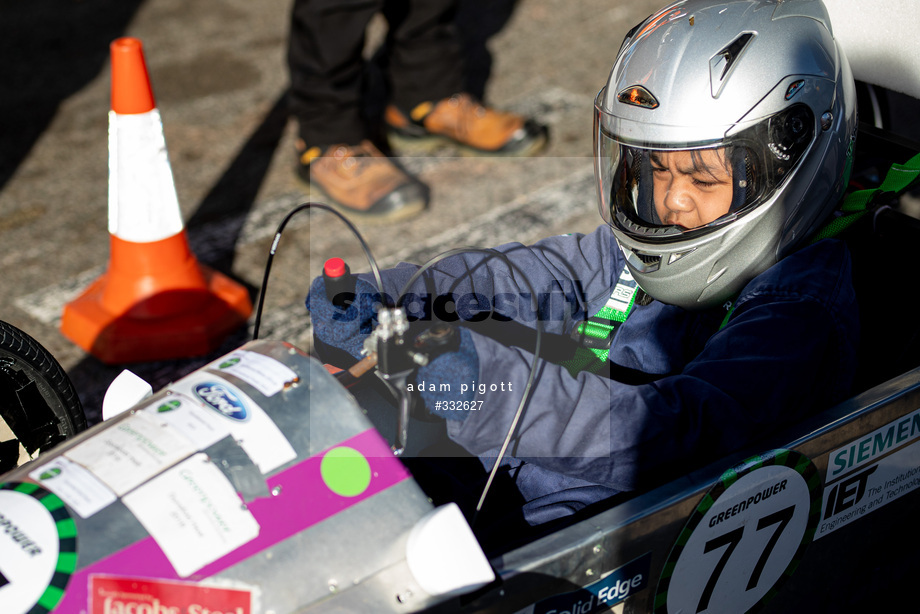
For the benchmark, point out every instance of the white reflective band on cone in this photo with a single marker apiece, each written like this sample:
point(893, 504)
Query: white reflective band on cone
point(143, 205)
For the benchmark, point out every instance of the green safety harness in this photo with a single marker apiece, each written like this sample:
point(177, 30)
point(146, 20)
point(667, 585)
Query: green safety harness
point(595, 334)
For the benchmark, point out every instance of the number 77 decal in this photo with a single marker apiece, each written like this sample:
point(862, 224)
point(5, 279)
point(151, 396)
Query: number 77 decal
point(745, 536)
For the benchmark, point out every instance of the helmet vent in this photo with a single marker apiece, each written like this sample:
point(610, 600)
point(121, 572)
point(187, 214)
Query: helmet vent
point(678, 255)
point(722, 63)
point(644, 263)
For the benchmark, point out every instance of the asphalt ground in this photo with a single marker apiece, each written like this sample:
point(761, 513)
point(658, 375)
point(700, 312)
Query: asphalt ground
point(219, 77)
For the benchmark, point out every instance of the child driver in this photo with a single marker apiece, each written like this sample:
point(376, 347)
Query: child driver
point(720, 149)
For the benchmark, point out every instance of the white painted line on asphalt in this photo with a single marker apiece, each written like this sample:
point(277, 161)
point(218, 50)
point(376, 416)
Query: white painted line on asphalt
point(46, 304)
point(525, 215)
point(520, 217)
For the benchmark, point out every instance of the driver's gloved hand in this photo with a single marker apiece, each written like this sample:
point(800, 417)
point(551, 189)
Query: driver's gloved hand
point(454, 369)
point(344, 329)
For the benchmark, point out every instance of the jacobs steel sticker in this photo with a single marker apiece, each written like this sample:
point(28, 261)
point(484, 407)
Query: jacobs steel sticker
point(303, 501)
point(244, 419)
point(744, 538)
point(870, 472)
point(38, 549)
point(110, 594)
point(193, 513)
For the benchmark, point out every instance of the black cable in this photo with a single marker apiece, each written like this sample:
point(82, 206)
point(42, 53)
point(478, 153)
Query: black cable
point(277, 240)
point(431, 262)
point(533, 367)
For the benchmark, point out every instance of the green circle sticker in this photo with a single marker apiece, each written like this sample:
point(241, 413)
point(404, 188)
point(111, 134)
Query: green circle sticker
point(38, 549)
point(345, 471)
point(745, 537)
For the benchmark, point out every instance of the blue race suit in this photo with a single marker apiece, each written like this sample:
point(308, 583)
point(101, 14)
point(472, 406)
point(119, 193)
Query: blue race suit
point(788, 351)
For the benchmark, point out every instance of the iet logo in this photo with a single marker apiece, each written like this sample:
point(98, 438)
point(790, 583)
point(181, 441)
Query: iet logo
point(847, 493)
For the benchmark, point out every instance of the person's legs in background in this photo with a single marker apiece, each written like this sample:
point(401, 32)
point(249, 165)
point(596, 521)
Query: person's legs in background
point(335, 156)
point(429, 107)
point(423, 51)
point(424, 66)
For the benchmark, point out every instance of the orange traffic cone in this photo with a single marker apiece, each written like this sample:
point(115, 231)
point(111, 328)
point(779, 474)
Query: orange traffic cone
point(155, 301)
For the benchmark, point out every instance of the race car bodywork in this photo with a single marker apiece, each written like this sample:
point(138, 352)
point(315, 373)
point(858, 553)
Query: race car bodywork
point(258, 485)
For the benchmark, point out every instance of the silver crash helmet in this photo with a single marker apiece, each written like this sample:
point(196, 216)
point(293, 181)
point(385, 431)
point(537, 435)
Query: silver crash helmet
point(723, 141)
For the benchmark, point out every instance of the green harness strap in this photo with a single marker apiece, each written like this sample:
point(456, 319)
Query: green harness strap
point(855, 205)
point(596, 333)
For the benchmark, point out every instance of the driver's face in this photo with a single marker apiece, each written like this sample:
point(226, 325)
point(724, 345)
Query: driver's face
point(691, 188)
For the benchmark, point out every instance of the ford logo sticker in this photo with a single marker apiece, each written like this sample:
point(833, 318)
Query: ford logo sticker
point(218, 397)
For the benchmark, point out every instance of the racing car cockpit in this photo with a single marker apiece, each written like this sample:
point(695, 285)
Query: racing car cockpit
point(266, 483)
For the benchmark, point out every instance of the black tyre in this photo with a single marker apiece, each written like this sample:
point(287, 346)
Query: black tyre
point(39, 407)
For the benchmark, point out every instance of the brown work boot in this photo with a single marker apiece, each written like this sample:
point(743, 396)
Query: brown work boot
point(461, 120)
point(360, 181)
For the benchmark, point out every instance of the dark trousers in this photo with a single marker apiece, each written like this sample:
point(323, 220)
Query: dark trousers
point(422, 60)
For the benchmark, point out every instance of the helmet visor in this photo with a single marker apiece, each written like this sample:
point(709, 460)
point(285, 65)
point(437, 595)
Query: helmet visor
point(664, 192)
